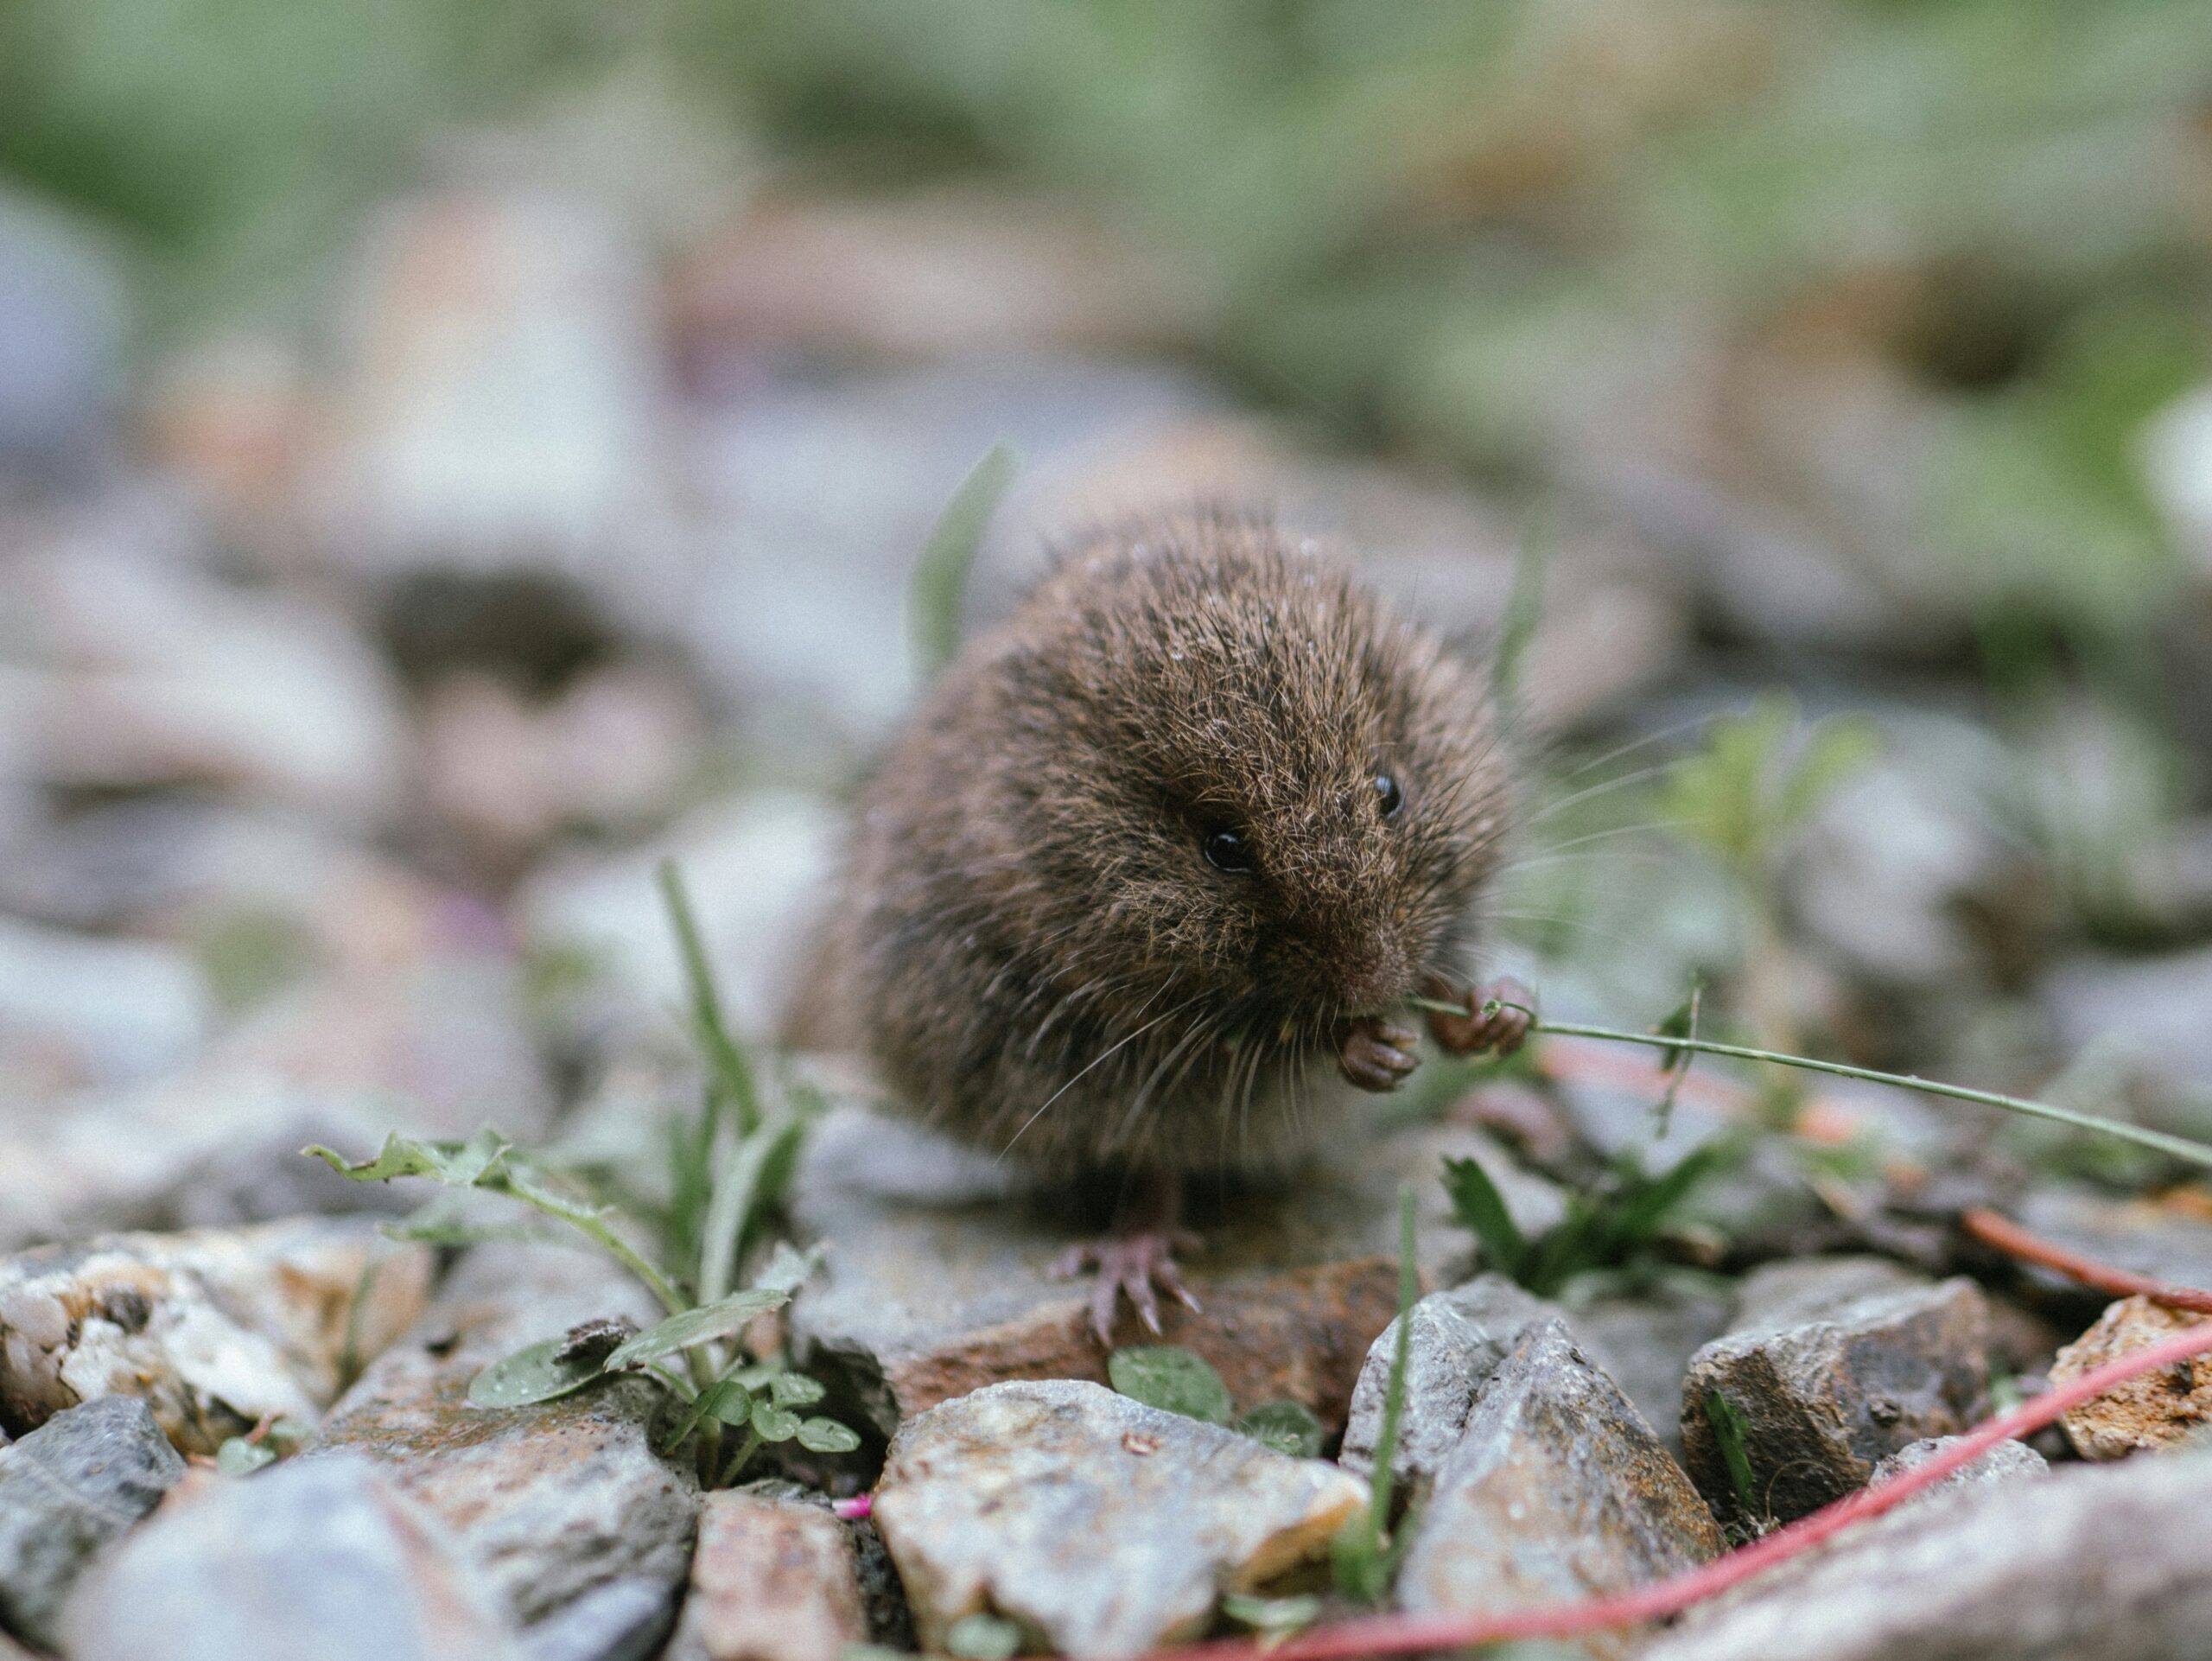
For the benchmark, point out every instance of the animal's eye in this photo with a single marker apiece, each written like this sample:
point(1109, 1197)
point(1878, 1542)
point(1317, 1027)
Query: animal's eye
point(1388, 796)
point(1227, 851)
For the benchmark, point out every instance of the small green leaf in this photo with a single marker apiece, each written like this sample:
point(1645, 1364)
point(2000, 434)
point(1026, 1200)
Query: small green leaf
point(456, 1164)
point(1481, 1209)
point(939, 582)
point(983, 1637)
point(1729, 1425)
point(1276, 1617)
point(537, 1373)
point(774, 1423)
point(1287, 1427)
point(819, 1436)
point(725, 1399)
point(701, 1326)
point(788, 1268)
point(239, 1457)
point(795, 1389)
point(1162, 1376)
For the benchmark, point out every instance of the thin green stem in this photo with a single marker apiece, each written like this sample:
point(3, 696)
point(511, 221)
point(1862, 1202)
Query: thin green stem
point(745, 1450)
point(2181, 1148)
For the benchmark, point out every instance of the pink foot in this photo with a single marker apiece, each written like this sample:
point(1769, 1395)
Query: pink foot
point(1502, 1031)
point(1133, 1263)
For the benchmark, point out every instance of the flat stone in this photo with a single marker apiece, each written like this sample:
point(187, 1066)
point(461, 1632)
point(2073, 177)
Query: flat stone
point(1557, 1490)
point(214, 1328)
point(1835, 1364)
point(2160, 1410)
point(1459, 1338)
point(551, 1501)
point(68, 1488)
point(314, 1557)
point(2009, 1461)
point(2090, 1561)
point(773, 1579)
point(2160, 1241)
point(1100, 1526)
point(937, 1279)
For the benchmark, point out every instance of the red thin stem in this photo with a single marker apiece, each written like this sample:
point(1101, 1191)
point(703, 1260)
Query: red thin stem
point(2008, 1236)
point(1408, 1635)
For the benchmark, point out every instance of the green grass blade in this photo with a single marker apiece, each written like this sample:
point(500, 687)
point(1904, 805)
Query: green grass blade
point(939, 584)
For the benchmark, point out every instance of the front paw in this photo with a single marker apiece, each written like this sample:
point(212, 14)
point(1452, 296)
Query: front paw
point(1375, 1055)
point(1502, 1030)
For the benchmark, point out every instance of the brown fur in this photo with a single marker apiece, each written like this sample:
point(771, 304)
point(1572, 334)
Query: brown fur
point(1028, 935)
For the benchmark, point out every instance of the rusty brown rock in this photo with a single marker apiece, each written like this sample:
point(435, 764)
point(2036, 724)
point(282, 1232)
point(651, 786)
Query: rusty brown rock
point(2156, 1410)
point(773, 1579)
point(214, 1327)
point(937, 1279)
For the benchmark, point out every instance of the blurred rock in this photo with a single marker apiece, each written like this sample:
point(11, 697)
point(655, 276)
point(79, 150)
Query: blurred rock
point(937, 1280)
point(76, 1010)
point(501, 404)
point(62, 327)
point(2083, 1562)
point(553, 1502)
point(981, 1497)
point(66, 1490)
point(2161, 1240)
point(315, 1557)
point(2009, 1461)
point(773, 1579)
point(1834, 1363)
point(125, 668)
point(1556, 1490)
point(605, 754)
point(1458, 1340)
point(2145, 1014)
point(2162, 1409)
point(215, 1329)
point(625, 1620)
point(752, 865)
point(932, 273)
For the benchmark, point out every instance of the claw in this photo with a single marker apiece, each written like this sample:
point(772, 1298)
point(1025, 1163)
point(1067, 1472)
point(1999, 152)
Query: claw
point(1375, 1055)
point(1137, 1266)
point(1502, 1031)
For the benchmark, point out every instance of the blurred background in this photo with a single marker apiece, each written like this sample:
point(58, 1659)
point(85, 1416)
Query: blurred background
point(451, 454)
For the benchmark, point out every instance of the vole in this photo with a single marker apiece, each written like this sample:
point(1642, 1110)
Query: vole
point(1139, 883)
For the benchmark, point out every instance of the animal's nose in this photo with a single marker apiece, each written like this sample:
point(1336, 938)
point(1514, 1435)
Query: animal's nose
point(1374, 975)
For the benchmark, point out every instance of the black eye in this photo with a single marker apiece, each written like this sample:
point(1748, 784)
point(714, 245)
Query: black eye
point(1226, 851)
point(1388, 794)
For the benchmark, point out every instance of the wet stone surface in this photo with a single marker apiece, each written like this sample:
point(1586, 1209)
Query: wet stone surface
point(214, 1328)
point(552, 1502)
point(1556, 1490)
point(1835, 1363)
point(314, 1557)
point(2159, 1409)
point(1099, 1526)
point(773, 1579)
point(2084, 1561)
point(75, 1484)
point(936, 1284)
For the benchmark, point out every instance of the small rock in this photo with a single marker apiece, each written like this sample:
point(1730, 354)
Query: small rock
point(1835, 1363)
point(1101, 1527)
point(66, 1490)
point(315, 1557)
point(215, 1329)
point(937, 1280)
point(2009, 1461)
point(2094, 1561)
point(552, 1501)
point(63, 325)
point(1459, 1338)
point(771, 1580)
point(2160, 1410)
point(1557, 1490)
